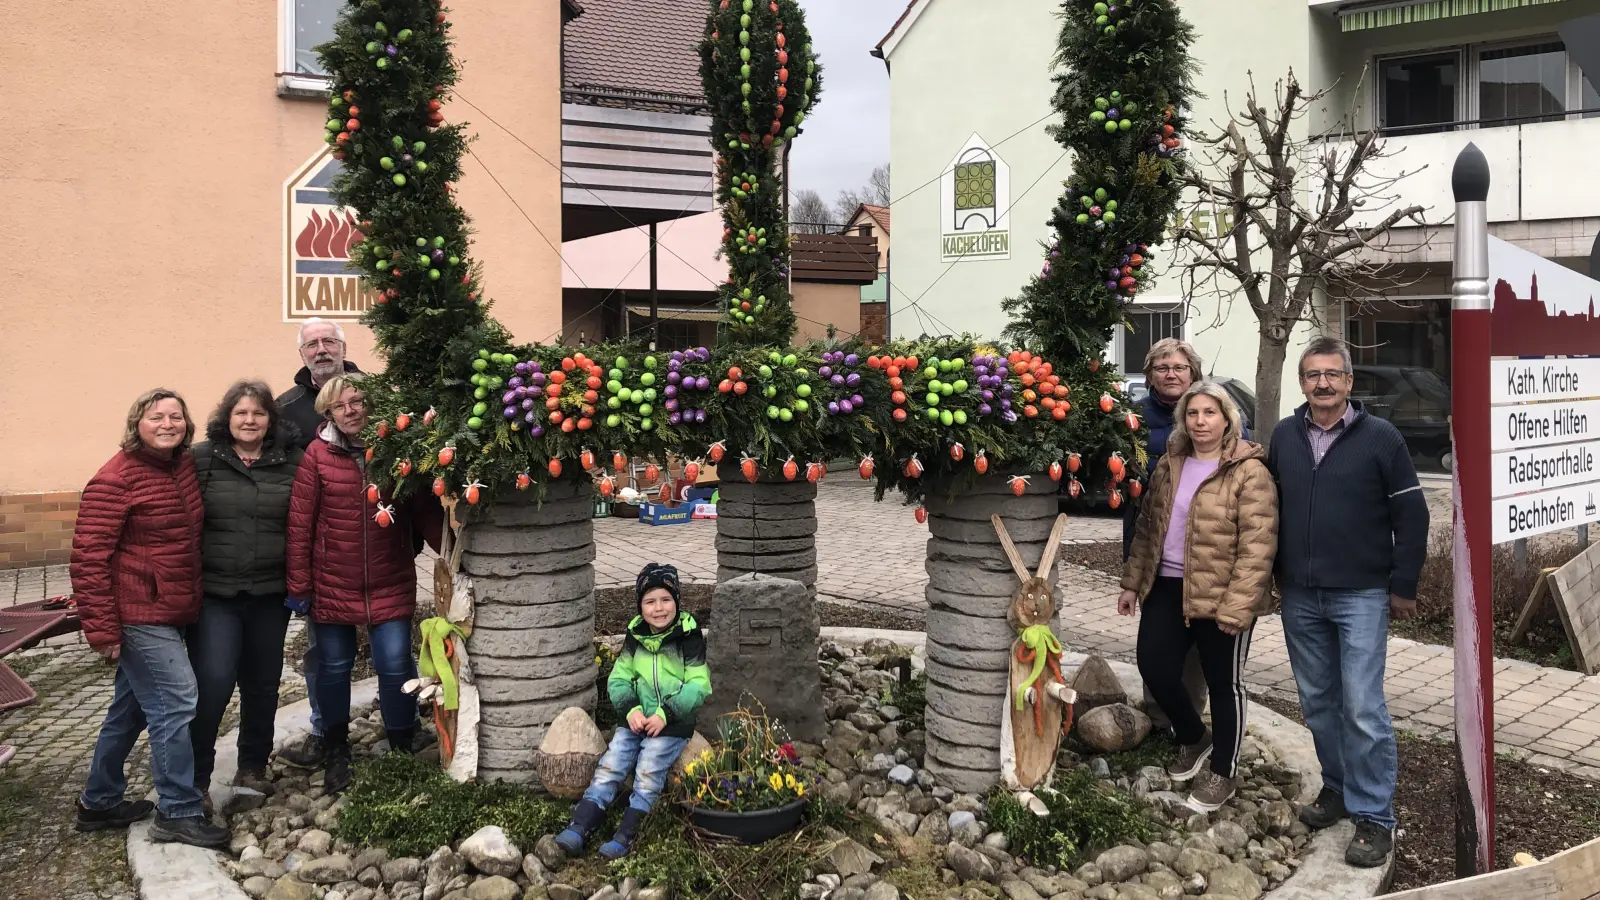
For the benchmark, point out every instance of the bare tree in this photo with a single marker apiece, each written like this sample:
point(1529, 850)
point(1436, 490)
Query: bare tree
point(875, 192)
point(808, 213)
point(1292, 223)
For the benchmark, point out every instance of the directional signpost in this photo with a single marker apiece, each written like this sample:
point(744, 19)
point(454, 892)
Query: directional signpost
point(1546, 442)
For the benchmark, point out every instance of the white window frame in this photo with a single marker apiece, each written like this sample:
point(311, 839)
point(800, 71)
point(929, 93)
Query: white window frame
point(290, 82)
point(1146, 306)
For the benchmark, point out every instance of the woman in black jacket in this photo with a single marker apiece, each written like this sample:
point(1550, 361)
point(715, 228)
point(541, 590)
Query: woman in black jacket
point(246, 468)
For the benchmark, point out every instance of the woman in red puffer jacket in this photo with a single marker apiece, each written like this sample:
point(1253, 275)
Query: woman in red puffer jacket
point(136, 580)
point(353, 563)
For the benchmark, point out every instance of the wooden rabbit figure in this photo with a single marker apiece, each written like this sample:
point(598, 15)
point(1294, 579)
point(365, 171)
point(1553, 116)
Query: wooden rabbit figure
point(1038, 708)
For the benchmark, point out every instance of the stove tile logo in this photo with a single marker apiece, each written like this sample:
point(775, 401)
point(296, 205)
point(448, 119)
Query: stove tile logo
point(975, 205)
point(318, 238)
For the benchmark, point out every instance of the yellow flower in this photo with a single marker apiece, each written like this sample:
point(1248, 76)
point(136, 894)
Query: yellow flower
point(789, 782)
point(799, 789)
point(597, 660)
point(776, 781)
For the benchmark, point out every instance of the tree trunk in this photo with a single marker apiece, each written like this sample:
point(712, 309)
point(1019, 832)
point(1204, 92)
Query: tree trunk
point(1269, 380)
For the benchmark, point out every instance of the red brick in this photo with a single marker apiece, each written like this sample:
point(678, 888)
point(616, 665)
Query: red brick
point(40, 507)
point(66, 515)
point(62, 497)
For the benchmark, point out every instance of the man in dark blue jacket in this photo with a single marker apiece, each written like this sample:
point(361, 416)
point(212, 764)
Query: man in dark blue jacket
point(1352, 536)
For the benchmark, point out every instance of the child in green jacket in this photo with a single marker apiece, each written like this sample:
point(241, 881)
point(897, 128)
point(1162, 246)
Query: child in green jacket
point(657, 684)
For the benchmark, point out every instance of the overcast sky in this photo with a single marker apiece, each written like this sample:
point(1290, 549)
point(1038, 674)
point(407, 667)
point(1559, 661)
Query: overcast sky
point(849, 134)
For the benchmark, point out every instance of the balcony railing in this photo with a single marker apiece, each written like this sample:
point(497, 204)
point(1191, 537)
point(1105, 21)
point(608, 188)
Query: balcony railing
point(1536, 169)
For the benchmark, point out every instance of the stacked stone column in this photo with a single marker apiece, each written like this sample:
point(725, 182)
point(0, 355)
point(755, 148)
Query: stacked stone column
point(970, 584)
point(768, 527)
point(532, 642)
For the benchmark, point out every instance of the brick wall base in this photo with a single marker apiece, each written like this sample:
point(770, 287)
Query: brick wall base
point(36, 529)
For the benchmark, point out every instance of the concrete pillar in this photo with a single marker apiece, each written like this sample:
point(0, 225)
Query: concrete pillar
point(532, 643)
point(768, 527)
point(970, 584)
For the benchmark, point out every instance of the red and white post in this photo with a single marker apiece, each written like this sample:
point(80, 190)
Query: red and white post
point(1474, 586)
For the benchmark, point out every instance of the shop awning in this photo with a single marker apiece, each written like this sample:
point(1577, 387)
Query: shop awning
point(677, 314)
point(1357, 18)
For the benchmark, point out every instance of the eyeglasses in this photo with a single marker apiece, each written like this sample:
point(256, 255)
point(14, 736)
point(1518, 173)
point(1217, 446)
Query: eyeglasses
point(1170, 370)
point(356, 405)
point(1329, 376)
point(330, 343)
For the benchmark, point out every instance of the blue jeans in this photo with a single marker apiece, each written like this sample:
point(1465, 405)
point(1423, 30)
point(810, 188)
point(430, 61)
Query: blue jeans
point(310, 663)
point(649, 758)
point(155, 688)
point(1338, 641)
point(391, 658)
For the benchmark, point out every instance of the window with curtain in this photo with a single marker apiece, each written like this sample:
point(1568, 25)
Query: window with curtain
point(1524, 84)
point(1149, 326)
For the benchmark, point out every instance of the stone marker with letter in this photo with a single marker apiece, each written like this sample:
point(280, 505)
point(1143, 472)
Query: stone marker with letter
point(762, 643)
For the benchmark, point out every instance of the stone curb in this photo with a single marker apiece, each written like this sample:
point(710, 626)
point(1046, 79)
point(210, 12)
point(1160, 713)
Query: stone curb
point(1323, 874)
point(182, 872)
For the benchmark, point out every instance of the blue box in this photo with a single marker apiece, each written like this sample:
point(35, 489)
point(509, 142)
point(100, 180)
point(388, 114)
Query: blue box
point(695, 494)
point(661, 514)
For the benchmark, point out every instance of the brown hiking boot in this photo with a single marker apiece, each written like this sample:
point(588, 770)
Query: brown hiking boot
point(1190, 758)
point(1210, 791)
point(255, 780)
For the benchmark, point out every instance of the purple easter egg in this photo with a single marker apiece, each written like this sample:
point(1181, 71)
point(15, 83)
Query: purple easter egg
point(537, 377)
point(522, 368)
point(510, 412)
point(536, 431)
point(984, 409)
point(856, 399)
point(699, 415)
point(988, 394)
point(674, 365)
point(675, 418)
point(837, 380)
point(851, 359)
point(852, 379)
point(825, 371)
point(670, 390)
point(514, 381)
point(674, 378)
point(392, 50)
point(530, 417)
point(846, 407)
point(536, 391)
point(833, 408)
point(702, 383)
point(509, 397)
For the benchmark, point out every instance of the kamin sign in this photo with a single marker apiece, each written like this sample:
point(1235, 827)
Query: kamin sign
point(1544, 387)
point(318, 235)
point(975, 205)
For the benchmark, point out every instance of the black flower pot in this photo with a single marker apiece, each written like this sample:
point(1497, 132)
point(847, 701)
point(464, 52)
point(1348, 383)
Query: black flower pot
point(754, 827)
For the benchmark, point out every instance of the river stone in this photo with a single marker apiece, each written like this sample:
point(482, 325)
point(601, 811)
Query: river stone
point(489, 851)
point(571, 749)
point(495, 887)
point(1230, 837)
point(406, 868)
point(1233, 880)
point(969, 865)
point(1122, 863)
point(551, 854)
point(765, 645)
point(289, 887)
point(1113, 728)
point(257, 886)
point(1191, 862)
point(1277, 818)
point(1020, 890)
point(327, 870)
point(850, 858)
point(1097, 685)
point(315, 842)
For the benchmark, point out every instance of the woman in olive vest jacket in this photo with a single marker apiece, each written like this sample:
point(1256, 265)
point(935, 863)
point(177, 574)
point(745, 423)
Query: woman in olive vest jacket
point(246, 468)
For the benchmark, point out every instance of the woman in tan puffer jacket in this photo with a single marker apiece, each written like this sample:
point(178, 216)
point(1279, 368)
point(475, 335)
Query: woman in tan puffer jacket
point(1202, 565)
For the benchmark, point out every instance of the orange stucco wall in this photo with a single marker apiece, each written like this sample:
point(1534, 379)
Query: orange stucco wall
point(141, 208)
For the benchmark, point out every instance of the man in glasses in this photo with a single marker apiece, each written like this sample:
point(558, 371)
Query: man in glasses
point(1352, 535)
point(321, 344)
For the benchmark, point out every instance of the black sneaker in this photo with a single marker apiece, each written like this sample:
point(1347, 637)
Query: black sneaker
point(197, 831)
point(120, 816)
point(1371, 845)
point(1325, 811)
point(310, 754)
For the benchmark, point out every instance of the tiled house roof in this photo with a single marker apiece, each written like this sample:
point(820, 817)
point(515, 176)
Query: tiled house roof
point(635, 45)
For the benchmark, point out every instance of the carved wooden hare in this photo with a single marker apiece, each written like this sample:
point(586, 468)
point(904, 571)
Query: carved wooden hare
point(1038, 704)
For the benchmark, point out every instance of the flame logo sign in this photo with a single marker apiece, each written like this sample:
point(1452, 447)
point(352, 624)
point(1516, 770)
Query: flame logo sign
point(328, 237)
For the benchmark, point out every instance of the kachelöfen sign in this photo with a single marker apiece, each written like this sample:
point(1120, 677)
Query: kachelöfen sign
point(1545, 411)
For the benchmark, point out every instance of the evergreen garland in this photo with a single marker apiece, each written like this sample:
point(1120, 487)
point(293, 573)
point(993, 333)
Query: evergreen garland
point(461, 411)
point(760, 77)
point(1125, 78)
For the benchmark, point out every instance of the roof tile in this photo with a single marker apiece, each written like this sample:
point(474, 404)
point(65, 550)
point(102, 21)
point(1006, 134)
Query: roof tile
point(635, 46)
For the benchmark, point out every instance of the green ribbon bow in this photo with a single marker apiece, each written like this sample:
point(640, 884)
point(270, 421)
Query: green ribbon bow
point(432, 661)
point(1040, 640)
